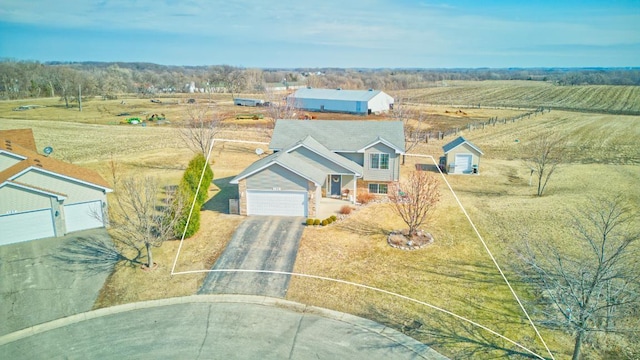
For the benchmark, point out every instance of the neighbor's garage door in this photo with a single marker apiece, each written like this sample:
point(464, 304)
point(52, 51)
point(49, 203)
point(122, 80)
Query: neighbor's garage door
point(83, 216)
point(463, 163)
point(282, 203)
point(26, 226)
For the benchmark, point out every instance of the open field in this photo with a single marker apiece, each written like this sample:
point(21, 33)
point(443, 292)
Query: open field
point(530, 94)
point(455, 273)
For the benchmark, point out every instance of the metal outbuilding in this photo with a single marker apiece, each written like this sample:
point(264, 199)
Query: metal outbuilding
point(361, 102)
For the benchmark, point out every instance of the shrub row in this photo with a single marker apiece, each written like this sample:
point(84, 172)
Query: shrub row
point(324, 222)
point(187, 193)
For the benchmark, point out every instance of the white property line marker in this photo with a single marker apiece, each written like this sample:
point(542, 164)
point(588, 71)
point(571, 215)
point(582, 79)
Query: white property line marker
point(504, 277)
point(173, 272)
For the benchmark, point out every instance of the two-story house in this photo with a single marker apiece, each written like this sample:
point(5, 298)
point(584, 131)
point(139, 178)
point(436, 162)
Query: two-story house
point(321, 158)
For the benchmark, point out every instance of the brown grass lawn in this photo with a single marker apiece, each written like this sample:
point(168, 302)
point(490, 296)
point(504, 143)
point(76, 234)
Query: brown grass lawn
point(454, 273)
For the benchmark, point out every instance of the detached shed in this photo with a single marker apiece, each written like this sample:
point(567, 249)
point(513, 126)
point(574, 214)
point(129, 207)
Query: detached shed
point(461, 157)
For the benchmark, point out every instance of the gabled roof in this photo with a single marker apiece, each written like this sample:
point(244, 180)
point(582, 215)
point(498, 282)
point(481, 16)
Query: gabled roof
point(292, 163)
point(22, 137)
point(339, 135)
point(336, 94)
point(47, 192)
point(312, 144)
point(34, 161)
point(459, 141)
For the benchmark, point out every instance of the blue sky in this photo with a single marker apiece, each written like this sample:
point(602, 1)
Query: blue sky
point(327, 33)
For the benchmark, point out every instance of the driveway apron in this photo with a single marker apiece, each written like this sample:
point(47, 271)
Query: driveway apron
point(259, 243)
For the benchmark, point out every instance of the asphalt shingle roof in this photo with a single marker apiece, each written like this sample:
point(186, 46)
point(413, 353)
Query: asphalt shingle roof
point(338, 135)
point(35, 160)
point(282, 158)
point(457, 142)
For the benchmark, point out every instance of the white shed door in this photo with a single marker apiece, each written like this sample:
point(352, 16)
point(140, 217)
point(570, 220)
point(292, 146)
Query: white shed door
point(83, 216)
point(463, 163)
point(26, 226)
point(281, 203)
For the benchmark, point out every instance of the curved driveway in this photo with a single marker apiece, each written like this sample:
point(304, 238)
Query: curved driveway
point(259, 243)
point(212, 327)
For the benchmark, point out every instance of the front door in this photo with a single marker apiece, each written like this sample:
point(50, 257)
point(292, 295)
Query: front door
point(336, 184)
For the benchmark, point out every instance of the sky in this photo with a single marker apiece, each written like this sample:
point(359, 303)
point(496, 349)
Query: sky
point(326, 33)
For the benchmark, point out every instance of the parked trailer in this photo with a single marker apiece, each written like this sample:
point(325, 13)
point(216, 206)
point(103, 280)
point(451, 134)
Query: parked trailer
point(248, 102)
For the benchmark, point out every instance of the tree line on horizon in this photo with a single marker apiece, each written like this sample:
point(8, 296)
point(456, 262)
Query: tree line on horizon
point(30, 79)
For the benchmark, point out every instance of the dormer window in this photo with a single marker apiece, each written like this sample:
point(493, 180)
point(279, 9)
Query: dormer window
point(380, 161)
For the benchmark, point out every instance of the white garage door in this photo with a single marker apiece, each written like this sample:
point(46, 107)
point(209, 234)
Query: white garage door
point(83, 216)
point(282, 203)
point(463, 163)
point(26, 226)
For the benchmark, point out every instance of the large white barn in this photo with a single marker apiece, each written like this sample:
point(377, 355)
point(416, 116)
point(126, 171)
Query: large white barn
point(361, 102)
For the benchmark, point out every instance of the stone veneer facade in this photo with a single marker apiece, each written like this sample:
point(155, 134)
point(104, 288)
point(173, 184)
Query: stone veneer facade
point(242, 193)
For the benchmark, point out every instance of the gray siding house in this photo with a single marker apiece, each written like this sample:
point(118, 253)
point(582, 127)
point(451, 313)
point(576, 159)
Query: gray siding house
point(321, 158)
point(361, 102)
point(42, 197)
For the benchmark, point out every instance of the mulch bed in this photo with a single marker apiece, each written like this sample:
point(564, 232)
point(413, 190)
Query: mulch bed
point(400, 239)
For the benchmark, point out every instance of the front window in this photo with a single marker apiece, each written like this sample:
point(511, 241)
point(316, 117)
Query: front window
point(378, 188)
point(380, 161)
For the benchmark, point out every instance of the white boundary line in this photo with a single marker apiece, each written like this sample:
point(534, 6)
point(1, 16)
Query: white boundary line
point(488, 252)
point(173, 272)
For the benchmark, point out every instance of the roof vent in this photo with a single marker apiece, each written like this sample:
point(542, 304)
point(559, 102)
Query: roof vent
point(370, 89)
point(339, 89)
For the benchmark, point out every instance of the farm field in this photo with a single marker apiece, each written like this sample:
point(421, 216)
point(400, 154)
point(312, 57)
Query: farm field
point(454, 273)
point(529, 94)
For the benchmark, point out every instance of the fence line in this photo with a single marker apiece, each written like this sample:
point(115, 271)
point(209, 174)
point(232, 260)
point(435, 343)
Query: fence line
point(425, 136)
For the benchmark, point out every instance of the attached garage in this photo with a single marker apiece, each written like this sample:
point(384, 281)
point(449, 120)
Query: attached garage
point(26, 226)
point(83, 216)
point(279, 203)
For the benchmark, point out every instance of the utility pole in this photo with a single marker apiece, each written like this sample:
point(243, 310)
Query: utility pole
point(80, 97)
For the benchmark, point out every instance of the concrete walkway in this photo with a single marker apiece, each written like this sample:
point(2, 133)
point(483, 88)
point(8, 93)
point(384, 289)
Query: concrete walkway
point(212, 327)
point(259, 243)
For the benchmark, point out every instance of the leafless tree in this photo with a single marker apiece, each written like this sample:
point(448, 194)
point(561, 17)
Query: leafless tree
point(594, 284)
point(415, 198)
point(279, 107)
point(542, 155)
point(201, 127)
point(140, 217)
point(414, 124)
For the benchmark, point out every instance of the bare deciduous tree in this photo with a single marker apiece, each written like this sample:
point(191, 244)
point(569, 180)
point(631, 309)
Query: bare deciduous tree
point(415, 198)
point(414, 124)
point(201, 127)
point(588, 288)
point(279, 107)
point(543, 155)
point(140, 217)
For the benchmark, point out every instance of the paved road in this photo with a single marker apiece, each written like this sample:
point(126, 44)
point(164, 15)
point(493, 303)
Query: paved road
point(259, 243)
point(38, 285)
point(213, 327)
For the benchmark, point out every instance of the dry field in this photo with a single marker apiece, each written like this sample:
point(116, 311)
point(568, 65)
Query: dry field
point(529, 94)
point(454, 273)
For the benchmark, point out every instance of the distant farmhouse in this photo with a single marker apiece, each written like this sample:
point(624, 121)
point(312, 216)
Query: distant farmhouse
point(41, 197)
point(362, 102)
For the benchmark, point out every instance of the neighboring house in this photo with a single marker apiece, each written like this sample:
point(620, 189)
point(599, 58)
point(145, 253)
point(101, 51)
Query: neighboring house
point(43, 197)
point(461, 157)
point(361, 102)
point(321, 158)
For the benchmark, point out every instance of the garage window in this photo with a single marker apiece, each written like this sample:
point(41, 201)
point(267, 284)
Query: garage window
point(378, 188)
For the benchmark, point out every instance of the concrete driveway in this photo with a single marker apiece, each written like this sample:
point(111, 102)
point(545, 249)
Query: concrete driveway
point(259, 243)
point(37, 285)
point(213, 327)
